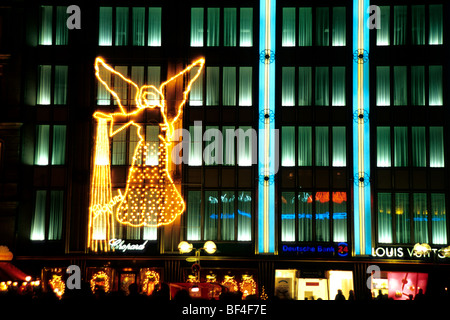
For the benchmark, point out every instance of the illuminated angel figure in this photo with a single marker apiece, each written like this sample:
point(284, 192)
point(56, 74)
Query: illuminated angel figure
point(151, 197)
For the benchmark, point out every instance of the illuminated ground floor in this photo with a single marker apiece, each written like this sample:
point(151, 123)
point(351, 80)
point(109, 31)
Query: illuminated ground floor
point(253, 278)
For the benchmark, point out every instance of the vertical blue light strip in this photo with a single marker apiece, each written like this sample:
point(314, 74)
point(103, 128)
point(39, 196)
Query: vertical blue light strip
point(361, 158)
point(266, 129)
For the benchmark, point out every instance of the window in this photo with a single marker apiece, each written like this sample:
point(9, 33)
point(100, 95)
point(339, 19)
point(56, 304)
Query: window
point(330, 147)
point(125, 141)
point(52, 92)
point(397, 224)
point(145, 26)
point(50, 150)
point(329, 85)
point(436, 24)
point(233, 84)
point(46, 223)
point(141, 75)
point(330, 26)
point(221, 215)
point(427, 146)
point(383, 33)
point(415, 91)
point(414, 24)
point(309, 216)
point(213, 35)
point(53, 31)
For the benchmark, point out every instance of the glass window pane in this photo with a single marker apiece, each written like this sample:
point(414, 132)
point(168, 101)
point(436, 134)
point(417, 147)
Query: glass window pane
point(244, 216)
point(119, 147)
point(322, 154)
point(121, 26)
point(322, 26)
point(193, 223)
point(383, 86)
point(339, 28)
point(400, 86)
point(305, 205)
point(418, 24)
point(197, 27)
point(288, 146)
point(38, 222)
point(229, 145)
point(56, 215)
point(288, 86)
point(60, 93)
point(229, 27)
point(339, 147)
point(42, 149)
point(338, 86)
point(418, 85)
point(436, 24)
point(212, 153)
point(304, 146)
point(400, 146)
point(245, 86)
point(438, 219)
point(154, 27)
point(44, 93)
point(153, 78)
point(59, 145)
point(246, 139)
point(152, 142)
point(288, 28)
point(384, 218)
point(339, 216)
point(322, 87)
point(138, 26)
point(229, 86)
point(383, 33)
point(103, 95)
point(400, 19)
point(402, 219)
point(246, 27)
point(420, 217)
point(195, 146)
point(105, 27)
point(304, 86)
point(288, 216)
point(212, 86)
point(435, 86)
point(383, 147)
point(62, 32)
point(419, 147)
point(132, 144)
point(212, 36)
point(211, 215)
point(437, 147)
point(305, 27)
point(45, 32)
point(121, 86)
point(322, 216)
point(227, 216)
point(196, 93)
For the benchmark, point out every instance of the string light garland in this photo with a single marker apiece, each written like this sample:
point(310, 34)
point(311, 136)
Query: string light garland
point(247, 285)
point(58, 286)
point(151, 280)
point(151, 198)
point(230, 283)
point(100, 278)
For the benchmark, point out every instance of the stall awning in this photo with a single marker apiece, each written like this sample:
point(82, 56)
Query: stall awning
point(9, 272)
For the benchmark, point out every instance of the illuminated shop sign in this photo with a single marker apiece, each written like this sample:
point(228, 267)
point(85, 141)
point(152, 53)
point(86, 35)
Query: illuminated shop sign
point(340, 249)
point(121, 245)
point(405, 253)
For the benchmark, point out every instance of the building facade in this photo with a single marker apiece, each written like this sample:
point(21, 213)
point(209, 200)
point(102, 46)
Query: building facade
point(313, 150)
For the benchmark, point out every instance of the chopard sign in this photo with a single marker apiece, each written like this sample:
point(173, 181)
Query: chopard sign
point(119, 244)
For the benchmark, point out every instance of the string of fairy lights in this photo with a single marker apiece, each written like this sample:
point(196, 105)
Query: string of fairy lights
point(151, 197)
